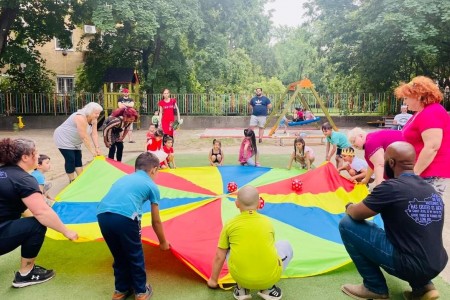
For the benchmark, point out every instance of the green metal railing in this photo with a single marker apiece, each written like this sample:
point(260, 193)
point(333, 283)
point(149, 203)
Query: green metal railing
point(205, 104)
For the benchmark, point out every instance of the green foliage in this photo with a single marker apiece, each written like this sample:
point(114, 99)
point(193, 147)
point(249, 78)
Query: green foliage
point(26, 72)
point(377, 43)
point(216, 46)
point(26, 25)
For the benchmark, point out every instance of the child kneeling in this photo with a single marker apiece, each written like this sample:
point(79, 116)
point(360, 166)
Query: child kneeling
point(254, 260)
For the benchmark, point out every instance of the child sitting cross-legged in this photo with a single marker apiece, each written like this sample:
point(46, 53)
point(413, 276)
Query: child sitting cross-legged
point(247, 242)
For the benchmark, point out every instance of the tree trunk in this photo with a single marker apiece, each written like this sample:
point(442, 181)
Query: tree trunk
point(7, 17)
point(145, 68)
point(158, 45)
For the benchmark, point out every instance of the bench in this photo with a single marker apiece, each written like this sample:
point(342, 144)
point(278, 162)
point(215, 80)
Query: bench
point(309, 139)
point(388, 122)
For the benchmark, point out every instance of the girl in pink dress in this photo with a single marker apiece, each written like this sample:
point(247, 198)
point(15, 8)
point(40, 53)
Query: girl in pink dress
point(166, 112)
point(248, 153)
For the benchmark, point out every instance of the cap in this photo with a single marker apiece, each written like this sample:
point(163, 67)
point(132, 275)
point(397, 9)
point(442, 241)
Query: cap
point(125, 91)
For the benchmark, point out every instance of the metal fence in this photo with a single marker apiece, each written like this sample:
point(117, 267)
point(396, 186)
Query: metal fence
point(203, 104)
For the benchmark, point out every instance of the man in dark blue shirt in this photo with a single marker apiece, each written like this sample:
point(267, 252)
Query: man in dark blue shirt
point(410, 247)
point(259, 105)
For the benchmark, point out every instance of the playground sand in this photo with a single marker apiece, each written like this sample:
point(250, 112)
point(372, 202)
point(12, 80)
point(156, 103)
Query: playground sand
point(186, 141)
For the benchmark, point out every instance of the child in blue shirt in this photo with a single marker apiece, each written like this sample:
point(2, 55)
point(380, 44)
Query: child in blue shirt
point(38, 173)
point(119, 217)
point(336, 141)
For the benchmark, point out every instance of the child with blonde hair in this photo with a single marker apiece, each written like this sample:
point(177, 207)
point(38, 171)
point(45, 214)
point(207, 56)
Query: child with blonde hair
point(355, 166)
point(302, 154)
point(216, 155)
point(248, 153)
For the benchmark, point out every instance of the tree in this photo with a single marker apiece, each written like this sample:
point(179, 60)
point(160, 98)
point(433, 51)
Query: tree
point(24, 25)
point(381, 42)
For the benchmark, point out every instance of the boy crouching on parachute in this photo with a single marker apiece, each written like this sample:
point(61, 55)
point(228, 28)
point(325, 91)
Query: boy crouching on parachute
point(254, 260)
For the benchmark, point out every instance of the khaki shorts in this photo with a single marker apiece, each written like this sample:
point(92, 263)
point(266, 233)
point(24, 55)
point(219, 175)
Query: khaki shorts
point(259, 121)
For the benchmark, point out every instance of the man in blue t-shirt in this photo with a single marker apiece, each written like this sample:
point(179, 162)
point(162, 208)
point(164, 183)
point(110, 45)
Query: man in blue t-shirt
point(410, 247)
point(259, 105)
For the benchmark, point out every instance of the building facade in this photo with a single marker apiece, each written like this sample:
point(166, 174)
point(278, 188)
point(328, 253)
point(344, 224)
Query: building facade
point(64, 62)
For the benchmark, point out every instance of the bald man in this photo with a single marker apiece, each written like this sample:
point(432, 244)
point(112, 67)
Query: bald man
point(410, 246)
point(255, 260)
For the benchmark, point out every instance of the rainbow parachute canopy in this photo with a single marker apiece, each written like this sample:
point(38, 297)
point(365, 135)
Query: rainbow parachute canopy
point(195, 204)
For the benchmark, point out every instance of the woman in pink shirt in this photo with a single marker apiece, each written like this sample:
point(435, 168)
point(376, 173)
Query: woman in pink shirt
point(429, 128)
point(429, 132)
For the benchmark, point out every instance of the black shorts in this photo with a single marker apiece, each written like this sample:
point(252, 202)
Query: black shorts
point(72, 160)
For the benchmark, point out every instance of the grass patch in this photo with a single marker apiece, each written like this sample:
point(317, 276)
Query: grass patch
point(84, 272)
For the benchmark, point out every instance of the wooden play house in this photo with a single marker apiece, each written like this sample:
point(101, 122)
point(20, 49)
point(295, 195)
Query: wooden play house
point(116, 79)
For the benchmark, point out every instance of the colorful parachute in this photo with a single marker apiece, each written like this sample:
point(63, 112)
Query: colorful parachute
point(195, 204)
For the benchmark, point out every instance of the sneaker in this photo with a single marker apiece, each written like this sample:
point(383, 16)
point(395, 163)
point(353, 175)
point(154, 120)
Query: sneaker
point(131, 142)
point(144, 296)
point(429, 295)
point(37, 275)
point(359, 291)
point(120, 295)
point(273, 293)
point(241, 293)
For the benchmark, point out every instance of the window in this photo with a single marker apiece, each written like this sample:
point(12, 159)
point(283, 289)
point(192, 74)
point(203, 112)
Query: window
point(65, 85)
point(59, 47)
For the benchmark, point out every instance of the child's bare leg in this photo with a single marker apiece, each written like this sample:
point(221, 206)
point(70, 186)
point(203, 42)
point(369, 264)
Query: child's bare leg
point(311, 160)
point(339, 161)
point(302, 162)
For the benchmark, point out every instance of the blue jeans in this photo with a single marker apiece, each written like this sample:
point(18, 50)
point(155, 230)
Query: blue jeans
point(369, 248)
point(123, 237)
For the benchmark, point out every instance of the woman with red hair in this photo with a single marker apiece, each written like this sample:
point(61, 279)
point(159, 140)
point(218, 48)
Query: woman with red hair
point(429, 129)
point(429, 132)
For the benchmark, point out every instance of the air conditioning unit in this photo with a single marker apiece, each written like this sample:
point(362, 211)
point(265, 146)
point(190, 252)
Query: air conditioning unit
point(89, 29)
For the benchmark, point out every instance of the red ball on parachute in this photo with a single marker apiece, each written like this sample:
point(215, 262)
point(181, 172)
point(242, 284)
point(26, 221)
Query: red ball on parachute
point(261, 203)
point(297, 185)
point(232, 187)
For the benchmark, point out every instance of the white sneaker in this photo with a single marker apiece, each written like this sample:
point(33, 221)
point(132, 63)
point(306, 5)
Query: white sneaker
point(273, 293)
point(241, 293)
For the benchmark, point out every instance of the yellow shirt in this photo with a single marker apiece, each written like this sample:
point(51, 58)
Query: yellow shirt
point(253, 261)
